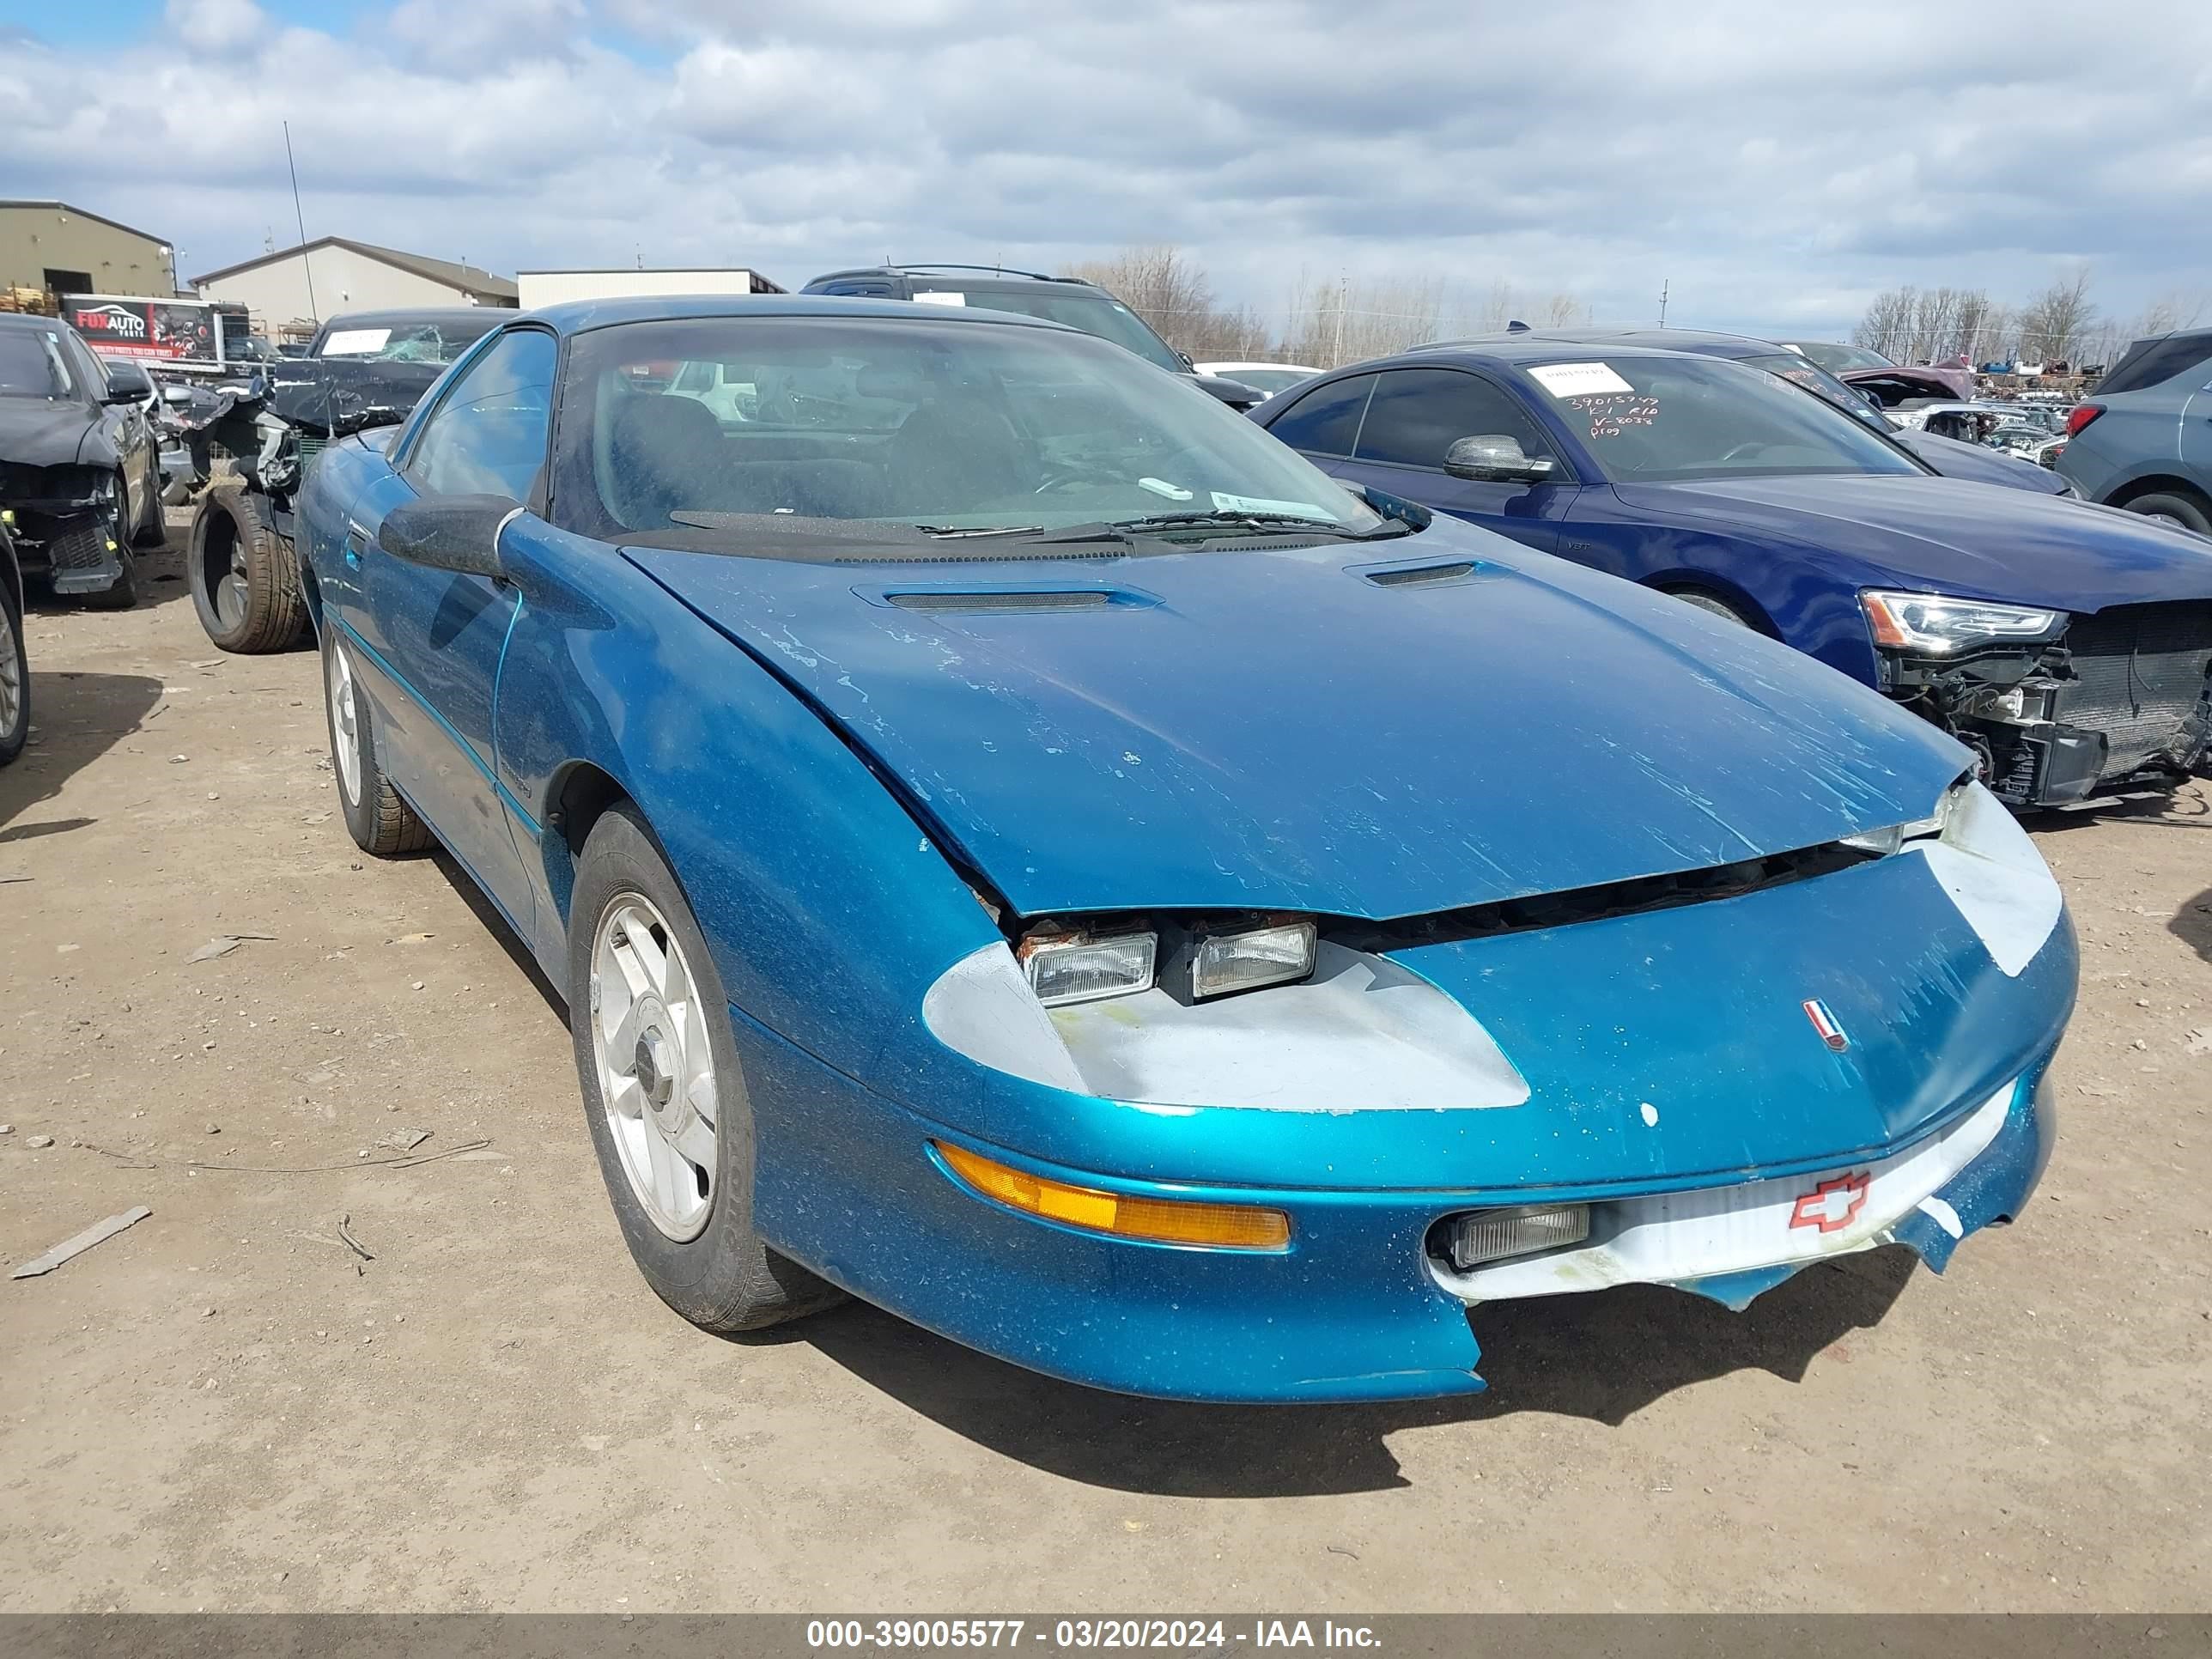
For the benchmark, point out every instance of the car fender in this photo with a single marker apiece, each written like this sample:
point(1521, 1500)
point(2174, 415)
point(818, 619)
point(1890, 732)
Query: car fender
point(1791, 587)
point(827, 908)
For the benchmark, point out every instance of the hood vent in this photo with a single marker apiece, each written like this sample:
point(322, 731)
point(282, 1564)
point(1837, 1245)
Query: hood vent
point(1419, 576)
point(1072, 598)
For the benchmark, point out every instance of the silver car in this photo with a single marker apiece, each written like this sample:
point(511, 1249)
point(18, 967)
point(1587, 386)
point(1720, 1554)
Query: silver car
point(2143, 441)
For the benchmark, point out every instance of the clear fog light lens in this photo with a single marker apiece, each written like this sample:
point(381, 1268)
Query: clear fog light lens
point(1491, 1235)
point(1079, 968)
point(1223, 962)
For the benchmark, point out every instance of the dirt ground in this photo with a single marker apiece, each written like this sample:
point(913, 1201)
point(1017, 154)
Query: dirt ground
point(225, 1408)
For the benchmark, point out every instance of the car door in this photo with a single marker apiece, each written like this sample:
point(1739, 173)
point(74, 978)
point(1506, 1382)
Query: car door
point(2197, 433)
point(1415, 415)
point(434, 638)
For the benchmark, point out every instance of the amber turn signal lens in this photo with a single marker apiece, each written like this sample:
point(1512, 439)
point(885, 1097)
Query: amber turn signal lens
point(1162, 1220)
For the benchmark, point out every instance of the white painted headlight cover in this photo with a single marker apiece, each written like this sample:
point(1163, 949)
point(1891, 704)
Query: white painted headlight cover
point(1363, 1034)
point(1985, 861)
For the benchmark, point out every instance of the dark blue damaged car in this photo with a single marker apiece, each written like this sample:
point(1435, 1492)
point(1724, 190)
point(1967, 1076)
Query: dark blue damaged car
point(1022, 847)
point(2067, 645)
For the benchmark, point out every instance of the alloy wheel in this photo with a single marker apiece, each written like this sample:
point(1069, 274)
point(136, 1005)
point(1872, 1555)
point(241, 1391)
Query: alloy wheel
point(654, 1064)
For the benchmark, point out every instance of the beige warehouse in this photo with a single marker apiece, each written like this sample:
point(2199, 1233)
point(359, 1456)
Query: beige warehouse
point(335, 274)
point(55, 248)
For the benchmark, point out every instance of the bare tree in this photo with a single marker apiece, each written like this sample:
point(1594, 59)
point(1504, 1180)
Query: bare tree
point(1350, 319)
point(1888, 325)
point(2054, 323)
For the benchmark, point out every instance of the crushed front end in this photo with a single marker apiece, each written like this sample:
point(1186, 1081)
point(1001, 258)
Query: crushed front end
point(2058, 707)
point(66, 525)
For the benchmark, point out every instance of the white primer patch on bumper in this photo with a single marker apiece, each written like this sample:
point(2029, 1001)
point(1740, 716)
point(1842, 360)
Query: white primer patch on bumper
point(1670, 1237)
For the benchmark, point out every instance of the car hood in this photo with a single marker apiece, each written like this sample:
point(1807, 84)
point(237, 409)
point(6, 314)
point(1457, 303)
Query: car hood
point(1951, 536)
point(1937, 382)
point(1955, 459)
point(1270, 730)
point(36, 432)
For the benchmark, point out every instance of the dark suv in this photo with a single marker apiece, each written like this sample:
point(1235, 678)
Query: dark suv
point(2144, 440)
point(1068, 299)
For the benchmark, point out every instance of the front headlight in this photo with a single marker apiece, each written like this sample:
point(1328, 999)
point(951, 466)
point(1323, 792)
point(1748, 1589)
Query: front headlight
point(1939, 625)
point(1192, 961)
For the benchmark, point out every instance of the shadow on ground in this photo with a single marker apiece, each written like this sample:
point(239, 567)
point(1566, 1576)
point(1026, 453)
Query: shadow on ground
point(2192, 924)
point(75, 720)
point(160, 581)
point(2189, 807)
point(1601, 1356)
point(487, 912)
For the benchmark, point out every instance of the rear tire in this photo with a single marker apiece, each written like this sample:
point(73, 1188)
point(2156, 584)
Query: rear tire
point(377, 817)
point(2182, 512)
point(660, 1043)
point(244, 576)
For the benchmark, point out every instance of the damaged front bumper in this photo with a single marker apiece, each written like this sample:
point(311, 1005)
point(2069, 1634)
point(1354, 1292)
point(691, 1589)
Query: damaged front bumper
point(65, 523)
point(1357, 1307)
point(2122, 700)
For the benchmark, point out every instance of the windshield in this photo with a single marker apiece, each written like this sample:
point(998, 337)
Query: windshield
point(1841, 359)
point(31, 364)
point(717, 431)
point(1803, 371)
point(1079, 307)
point(404, 342)
point(1650, 419)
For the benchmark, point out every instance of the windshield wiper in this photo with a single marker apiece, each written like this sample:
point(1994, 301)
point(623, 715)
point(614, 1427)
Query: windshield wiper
point(948, 532)
point(1275, 524)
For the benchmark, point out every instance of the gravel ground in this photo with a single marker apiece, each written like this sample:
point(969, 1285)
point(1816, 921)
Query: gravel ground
point(226, 1407)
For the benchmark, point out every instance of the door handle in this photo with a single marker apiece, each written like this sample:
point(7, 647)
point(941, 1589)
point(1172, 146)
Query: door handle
point(357, 544)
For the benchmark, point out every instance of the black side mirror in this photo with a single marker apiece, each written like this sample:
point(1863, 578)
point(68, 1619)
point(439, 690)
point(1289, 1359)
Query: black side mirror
point(1495, 458)
point(448, 532)
point(1235, 393)
point(120, 391)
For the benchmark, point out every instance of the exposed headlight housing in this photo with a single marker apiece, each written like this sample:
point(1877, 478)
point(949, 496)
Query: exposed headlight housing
point(1937, 625)
point(1073, 967)
point(1219, 960)
point(1192, 962)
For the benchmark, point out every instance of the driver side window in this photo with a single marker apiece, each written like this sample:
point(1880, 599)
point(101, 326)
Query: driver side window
point(486, 436)
point(1417, 413)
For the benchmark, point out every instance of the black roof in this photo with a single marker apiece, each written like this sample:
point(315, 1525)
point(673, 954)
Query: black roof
point(1704, 343)
point(968, 275)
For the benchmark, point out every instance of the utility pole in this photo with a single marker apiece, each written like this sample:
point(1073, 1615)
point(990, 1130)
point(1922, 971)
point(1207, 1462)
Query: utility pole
point(1343, 296)
point(306, 259)
point(1666, 283)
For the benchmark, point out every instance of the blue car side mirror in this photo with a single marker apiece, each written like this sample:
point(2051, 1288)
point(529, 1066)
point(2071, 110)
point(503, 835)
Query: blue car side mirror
point(448, 532)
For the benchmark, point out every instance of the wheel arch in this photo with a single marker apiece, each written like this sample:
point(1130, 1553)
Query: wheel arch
point(2159, 483)
point(1678, 582)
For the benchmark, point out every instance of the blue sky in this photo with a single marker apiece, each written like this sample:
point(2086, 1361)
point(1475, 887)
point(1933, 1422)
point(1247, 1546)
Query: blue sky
point(1776, 164)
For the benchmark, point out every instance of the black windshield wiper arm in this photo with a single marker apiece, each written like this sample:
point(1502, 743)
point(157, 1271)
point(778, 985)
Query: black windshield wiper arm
point(950, 533)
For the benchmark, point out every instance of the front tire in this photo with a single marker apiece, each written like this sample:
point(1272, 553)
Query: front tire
point(153, 530)
point(14, 669)
point(114, 526)
point(244, 576)
point(1714, 605)
point(377, 817)
point(664, 1093)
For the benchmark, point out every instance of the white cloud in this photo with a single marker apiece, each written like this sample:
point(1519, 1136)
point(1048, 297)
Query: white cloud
point(1775, 164)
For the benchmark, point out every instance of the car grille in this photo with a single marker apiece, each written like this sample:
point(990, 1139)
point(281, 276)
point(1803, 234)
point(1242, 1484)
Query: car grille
point(2142, 670)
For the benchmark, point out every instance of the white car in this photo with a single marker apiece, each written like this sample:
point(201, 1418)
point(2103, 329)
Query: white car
point(1270, 377)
